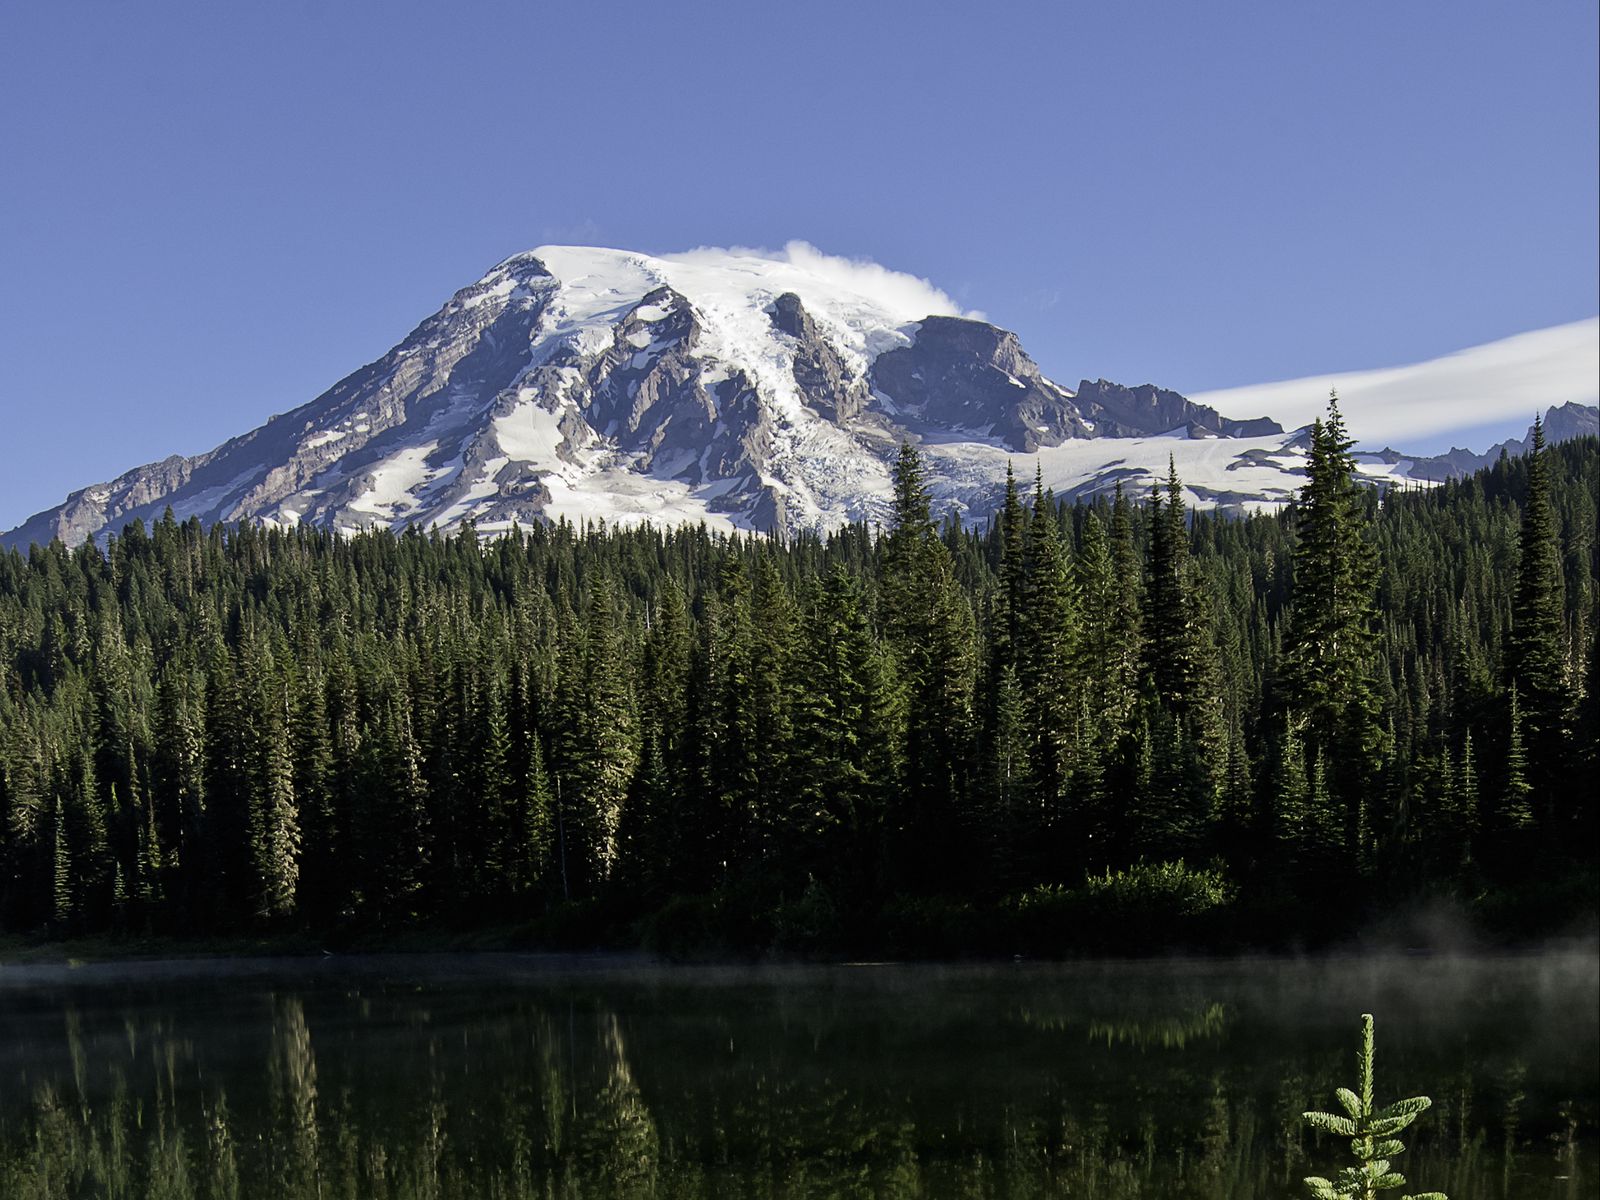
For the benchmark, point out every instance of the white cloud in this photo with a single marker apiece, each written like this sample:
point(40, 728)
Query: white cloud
point(892, 289)
point(907, 296)
point(1501, 383)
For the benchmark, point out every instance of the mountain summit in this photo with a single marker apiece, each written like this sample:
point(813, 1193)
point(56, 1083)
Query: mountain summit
point(745, 389)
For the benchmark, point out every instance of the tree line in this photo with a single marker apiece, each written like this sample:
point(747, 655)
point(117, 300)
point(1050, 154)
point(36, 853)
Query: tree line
point(235, 729)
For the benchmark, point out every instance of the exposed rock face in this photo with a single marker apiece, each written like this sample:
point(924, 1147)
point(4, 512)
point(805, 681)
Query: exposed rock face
point(1119, 411)
point(825, 380)
point(476, 343)
point(1561, 424)
point(969, 375)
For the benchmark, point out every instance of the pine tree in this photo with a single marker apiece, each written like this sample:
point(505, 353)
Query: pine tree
point(276, 827)
point(1464, 806)
point(61, 874)
point(1012, 570)
point(1183, 675)
point(315, 775)
point(272, 824)
point(664, 677)
point(772, 637)
point(1121, 672)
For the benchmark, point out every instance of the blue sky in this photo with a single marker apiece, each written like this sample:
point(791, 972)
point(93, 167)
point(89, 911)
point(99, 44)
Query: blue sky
point(212, 212)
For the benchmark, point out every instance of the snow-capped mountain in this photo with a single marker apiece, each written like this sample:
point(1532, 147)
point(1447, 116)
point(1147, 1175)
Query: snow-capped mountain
point(744, 389)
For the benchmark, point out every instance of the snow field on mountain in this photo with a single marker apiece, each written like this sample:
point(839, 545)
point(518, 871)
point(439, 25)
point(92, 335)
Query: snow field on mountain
point(623, 498)
point(395, 480)
point(1213, 470)
point(529, 433)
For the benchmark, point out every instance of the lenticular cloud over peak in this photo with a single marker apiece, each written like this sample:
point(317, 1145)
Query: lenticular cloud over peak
point(890, 288)
point(909, 297)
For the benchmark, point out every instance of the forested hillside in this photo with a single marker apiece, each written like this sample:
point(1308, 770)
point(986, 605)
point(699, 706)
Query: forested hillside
point(923, 738)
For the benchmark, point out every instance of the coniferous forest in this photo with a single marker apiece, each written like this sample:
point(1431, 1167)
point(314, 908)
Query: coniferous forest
point(1087, 727)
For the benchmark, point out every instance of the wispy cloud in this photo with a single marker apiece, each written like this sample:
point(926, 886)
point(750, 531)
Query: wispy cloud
point(909, 296)
point(584, 232)
point(1500, 383)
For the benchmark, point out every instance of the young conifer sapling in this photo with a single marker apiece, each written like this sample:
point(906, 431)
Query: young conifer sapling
point(1371, 1135)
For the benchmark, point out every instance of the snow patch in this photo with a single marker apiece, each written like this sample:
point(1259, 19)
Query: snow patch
point(394, 480)
point(529, 434)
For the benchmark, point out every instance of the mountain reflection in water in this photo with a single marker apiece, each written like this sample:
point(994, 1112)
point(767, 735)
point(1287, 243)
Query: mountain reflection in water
point(502, 1076)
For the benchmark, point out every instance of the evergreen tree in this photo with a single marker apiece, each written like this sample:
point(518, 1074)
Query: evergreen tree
point(1328, 653)
point(1535, 651)
point(1516, 808)
point(846, 765)
point(545, 715)
point(1047, 660)
point(530, 831)
point(609, 748)
point(929, 630)
point(275, 822)
point(1171, 648)
point(1371, 1131)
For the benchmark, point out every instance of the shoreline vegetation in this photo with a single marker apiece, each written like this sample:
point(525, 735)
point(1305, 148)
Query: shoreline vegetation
point(1099, 728)
point(1441, 927)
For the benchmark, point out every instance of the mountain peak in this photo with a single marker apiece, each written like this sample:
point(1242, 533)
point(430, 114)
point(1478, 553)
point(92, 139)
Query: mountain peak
point(743, 388)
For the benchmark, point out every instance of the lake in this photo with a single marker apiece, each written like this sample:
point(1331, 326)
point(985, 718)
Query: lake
point(491, 1076)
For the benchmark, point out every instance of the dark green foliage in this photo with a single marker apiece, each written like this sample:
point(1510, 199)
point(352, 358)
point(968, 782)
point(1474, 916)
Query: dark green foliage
point(1330, 651)
point(1144, 908)
point(812, 742)
point(1371, 1132)
point(1536, 657)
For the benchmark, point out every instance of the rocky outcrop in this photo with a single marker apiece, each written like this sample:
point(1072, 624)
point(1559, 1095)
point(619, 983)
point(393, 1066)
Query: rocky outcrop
point(1561, 424)
point(1118, 411)
point(826, 383)
point(972, 376)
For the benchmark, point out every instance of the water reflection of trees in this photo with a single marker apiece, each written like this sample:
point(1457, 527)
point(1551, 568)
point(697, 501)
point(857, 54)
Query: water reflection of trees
point(1169, 1030)
point(376, 1093)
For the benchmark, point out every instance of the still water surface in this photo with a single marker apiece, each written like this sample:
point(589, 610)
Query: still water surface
point(506, 1076)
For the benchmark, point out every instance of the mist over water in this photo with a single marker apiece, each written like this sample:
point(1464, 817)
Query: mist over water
point(510, 1076)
